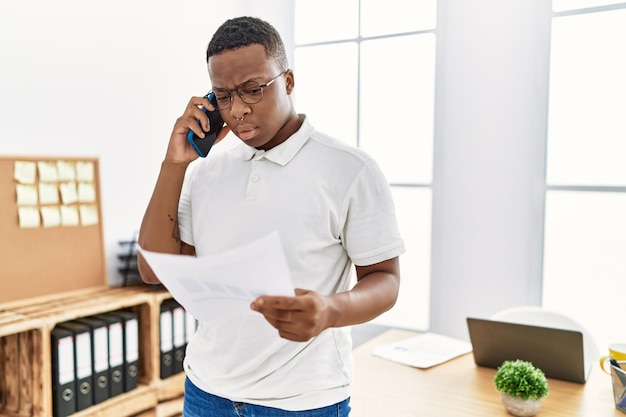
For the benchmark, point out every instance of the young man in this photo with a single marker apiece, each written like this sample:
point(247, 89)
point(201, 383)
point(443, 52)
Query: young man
point(332, 208)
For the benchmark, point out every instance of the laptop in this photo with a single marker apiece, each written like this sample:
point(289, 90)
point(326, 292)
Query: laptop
point(558, 353)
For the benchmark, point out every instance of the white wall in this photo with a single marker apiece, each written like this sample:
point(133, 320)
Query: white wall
point(108, 79)
point(489, 158)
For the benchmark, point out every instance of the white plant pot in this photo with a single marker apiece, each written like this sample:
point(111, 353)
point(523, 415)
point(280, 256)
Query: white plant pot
point(519, 407)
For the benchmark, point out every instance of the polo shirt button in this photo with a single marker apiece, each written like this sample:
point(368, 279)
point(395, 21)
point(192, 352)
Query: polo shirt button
point(254, 178)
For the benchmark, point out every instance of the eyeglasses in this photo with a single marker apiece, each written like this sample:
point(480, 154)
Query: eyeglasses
point(250, 92)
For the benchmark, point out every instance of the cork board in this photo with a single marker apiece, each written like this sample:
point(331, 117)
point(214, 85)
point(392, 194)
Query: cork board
point(48, 246)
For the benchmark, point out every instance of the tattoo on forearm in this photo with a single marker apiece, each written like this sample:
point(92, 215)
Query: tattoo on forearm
point(175, 230)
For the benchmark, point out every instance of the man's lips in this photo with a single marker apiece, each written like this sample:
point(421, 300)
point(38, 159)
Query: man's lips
point(246, 131)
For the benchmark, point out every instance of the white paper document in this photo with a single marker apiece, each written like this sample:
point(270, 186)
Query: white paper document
point(224, 284)
point(424, 350)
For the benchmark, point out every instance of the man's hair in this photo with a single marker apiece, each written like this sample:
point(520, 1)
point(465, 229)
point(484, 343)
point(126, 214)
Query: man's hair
point(243, 31)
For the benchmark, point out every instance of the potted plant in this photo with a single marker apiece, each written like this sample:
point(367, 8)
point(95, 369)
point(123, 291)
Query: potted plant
point(522, 386)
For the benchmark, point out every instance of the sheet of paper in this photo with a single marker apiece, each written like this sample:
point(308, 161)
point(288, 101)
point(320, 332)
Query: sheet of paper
point(85, 171)
point(86, 192)
point(48, 193)
point(25, 172)
point(69, 192)
point(28, 216)
point(51, 216)
point(66, 171)
point(88, 214)
point(69, 216)
point(26, 195)
point(47, 171)
point(424, 350)
point(224, 284)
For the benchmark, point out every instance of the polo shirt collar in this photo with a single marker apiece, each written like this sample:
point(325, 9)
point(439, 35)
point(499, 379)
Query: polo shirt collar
point(284, 152)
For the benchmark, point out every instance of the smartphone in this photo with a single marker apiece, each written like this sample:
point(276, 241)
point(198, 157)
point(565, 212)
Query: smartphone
point(203, 145)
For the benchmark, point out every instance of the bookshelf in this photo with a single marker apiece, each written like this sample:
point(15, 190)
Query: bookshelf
point(25, 353)
point(53, 270)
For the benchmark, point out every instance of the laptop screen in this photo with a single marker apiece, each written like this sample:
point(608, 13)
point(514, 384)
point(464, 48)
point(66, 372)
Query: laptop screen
point(558, 353)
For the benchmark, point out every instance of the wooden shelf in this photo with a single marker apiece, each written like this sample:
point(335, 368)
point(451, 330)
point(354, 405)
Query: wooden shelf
point(25, 353)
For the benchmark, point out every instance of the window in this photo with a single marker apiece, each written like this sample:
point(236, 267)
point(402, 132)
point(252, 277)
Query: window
point(585, 214)
point(365, 74)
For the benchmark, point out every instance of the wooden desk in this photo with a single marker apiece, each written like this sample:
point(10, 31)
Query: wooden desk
point(460, 388)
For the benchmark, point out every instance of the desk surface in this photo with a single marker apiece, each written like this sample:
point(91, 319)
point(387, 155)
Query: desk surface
point(460, 388)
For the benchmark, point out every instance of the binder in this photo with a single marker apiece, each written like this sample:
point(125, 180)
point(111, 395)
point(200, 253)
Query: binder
point(116, 353)
point(131, 348)
point(63, 382)
point(100, 355)
point(178, 325)
point(83, 369)
point(166, 335)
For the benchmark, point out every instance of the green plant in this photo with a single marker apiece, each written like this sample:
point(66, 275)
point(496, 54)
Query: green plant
point(521, 379)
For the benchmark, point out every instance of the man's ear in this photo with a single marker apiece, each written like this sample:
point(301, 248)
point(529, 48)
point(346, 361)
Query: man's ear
point(289, 81)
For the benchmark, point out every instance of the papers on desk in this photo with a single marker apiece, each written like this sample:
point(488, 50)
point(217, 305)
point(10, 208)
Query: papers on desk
point(424, 350)
point(224, 284)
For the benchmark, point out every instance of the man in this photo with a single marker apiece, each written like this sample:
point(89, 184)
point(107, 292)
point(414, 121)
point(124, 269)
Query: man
point(332, 208)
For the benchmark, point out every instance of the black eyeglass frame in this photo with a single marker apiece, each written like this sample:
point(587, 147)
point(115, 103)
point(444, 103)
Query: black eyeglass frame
point(240, 93)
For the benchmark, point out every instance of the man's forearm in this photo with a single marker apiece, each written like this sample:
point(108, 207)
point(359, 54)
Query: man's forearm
point(159, 228)
point(362, 304)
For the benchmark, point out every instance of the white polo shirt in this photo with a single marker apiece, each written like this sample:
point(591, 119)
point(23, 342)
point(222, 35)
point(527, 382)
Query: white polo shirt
point(332, 208)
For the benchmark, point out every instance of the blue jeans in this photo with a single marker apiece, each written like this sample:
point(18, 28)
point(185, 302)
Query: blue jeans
point(198, 403)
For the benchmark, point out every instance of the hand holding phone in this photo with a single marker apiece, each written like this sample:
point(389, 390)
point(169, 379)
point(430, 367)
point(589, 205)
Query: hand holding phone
point(203, 145)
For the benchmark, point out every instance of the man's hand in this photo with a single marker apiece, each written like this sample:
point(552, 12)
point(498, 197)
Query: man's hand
point(307, 314)
point(298, 318)
point(179, 150)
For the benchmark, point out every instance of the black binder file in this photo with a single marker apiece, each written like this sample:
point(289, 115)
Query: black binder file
point(166, 339)
point(100, 354)
point(178, 323)
point(116, 353)
point(63, 382)
point(131, 348)
point(83, 370)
